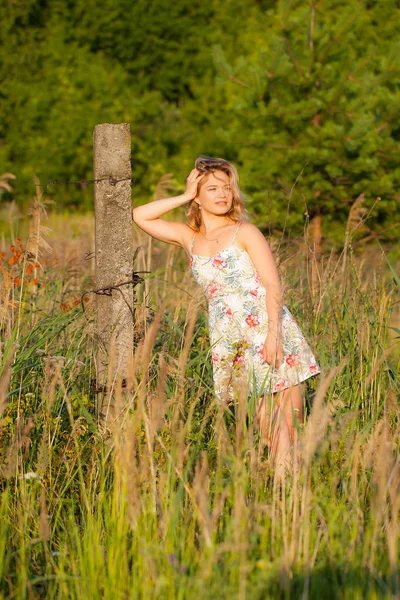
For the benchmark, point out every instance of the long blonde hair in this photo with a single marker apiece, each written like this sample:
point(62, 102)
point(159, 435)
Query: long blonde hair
point(207, 164)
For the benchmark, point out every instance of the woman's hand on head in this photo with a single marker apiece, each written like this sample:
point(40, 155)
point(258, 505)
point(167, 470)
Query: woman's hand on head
point(192, 182)
point(273, 352)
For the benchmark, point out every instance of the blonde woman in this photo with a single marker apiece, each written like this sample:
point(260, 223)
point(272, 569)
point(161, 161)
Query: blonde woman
point(254, 338)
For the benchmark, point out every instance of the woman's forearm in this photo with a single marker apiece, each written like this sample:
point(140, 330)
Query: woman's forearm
point(274, 307)
point(158, 208)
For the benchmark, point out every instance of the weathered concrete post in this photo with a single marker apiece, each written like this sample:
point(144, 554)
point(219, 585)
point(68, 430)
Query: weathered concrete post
point(113, 249)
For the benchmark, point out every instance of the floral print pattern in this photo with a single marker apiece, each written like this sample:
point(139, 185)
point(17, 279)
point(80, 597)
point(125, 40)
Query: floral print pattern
point(238, 324)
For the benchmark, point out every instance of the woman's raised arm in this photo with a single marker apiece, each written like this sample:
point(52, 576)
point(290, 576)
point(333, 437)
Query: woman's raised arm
point(147, 216)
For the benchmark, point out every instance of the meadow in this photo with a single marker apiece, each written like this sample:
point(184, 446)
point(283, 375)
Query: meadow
point(169, 495)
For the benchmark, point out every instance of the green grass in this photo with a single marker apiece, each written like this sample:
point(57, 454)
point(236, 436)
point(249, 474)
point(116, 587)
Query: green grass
point(174, 498)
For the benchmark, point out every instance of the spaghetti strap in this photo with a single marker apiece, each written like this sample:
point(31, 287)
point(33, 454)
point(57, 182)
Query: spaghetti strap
point(192, 244)
point(236, 232)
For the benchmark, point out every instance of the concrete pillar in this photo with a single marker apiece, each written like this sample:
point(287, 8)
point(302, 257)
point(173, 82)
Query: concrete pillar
point(113, 249)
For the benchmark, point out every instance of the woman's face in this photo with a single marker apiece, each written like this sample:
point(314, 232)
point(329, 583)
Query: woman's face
point(215, 194)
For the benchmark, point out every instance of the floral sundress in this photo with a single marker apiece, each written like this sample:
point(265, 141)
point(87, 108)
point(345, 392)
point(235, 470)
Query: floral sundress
point(238, 326)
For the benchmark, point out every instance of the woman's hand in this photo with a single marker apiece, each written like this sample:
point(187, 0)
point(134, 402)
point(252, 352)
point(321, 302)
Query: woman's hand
point(192, 182)
point(273, 352)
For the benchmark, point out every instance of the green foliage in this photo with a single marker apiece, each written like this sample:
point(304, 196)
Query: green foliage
point(302, 96)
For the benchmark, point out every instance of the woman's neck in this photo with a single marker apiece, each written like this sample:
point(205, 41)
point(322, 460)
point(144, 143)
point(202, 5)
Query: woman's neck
point(212, 223)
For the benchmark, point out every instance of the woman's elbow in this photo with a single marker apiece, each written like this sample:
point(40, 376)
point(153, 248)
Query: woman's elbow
point(136, 215)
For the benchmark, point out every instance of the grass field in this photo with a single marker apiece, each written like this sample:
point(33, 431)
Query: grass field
point(170, 496)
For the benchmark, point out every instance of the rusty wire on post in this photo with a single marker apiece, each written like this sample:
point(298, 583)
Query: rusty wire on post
point(111, 181)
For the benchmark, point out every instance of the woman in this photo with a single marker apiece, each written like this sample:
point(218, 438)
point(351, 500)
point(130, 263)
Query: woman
point(255, 340)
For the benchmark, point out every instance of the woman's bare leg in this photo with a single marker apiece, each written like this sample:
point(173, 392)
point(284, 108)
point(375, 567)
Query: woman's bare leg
point(265, 419)
point(277, 415)
point(291, 414)
point(293, 408)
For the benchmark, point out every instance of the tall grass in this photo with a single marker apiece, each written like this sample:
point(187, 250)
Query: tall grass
point(171, 496)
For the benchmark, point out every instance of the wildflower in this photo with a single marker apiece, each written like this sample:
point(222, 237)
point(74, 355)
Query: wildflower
point(240, 345)
point(30, 475)
point(239, 358)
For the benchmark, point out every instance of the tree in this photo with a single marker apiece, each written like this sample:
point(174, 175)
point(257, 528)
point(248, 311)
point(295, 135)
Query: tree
point(313, 98)
point(303, 93)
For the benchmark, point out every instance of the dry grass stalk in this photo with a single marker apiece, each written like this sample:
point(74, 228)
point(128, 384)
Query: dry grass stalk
point(385, 504)
point(21, 440)
point(37, 211)
point(201, 492)
point(6, 306)
point(165, 184)
point(44, 523)
point(319, 419)
point(5, 380)
point(378, 363)
point(4, 185)
point(157, 401)
point(52, 377)
point(190, 324)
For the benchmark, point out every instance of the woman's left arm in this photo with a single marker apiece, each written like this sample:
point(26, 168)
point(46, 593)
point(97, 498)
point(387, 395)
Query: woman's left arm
point(260, 253)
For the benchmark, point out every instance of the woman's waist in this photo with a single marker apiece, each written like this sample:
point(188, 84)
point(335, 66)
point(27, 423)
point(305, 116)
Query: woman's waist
point(217, 292)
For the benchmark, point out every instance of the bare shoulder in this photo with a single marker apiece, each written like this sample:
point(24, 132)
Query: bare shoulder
point(249, 235)
point(184, 234)
point(187, 234)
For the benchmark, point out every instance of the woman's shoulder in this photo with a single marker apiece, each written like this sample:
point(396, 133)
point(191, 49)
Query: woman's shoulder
point(188, 233)
point(247, 234)
point(248, 229)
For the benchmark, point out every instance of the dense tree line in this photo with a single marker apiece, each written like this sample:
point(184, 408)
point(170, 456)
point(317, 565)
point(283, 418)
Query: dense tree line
point(303, 96)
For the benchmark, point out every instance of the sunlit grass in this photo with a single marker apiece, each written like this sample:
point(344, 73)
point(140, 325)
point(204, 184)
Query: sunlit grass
point(171, 496)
